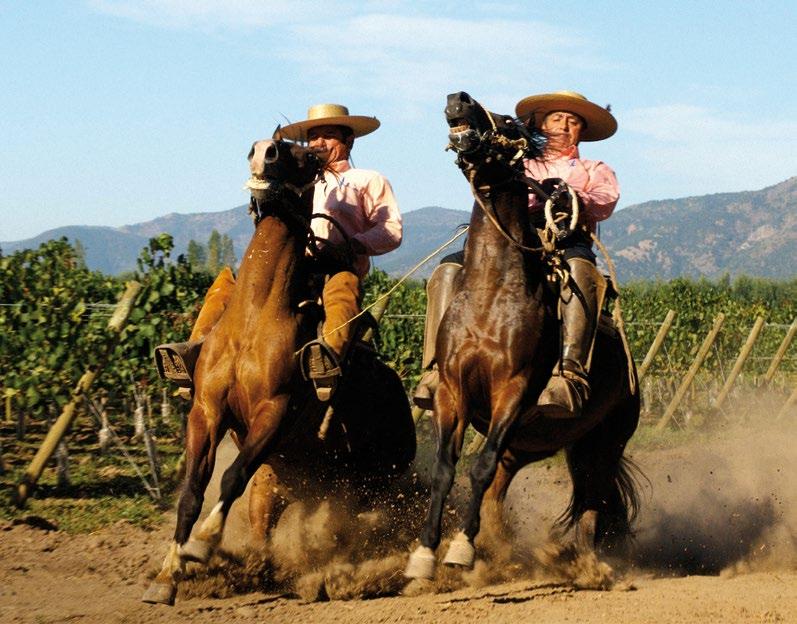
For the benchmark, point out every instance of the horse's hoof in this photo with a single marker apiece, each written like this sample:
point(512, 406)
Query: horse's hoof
point(460, 552)
point(196, 550)
point(160, 593)
point(421, 564)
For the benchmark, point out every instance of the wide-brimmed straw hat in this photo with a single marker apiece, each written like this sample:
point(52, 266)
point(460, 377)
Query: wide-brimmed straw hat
point(601, 124)
point(329, 115)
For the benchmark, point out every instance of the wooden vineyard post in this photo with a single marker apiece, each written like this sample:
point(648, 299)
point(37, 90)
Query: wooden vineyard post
point(690, 374)
point(657, 342)
point(778, 358)
point(377, 312)
point(755, 332)
point(59, 428)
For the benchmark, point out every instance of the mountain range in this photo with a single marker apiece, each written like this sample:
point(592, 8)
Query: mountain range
point(751, 232)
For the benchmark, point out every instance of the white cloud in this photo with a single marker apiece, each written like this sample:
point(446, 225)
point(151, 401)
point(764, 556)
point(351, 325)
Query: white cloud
point(350, 51)
point(690, 123)
point(704, 150)
point(416, 58)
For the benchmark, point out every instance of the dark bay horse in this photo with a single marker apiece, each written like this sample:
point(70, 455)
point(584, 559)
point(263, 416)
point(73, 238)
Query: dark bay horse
point(496, 345)
point(247, 379)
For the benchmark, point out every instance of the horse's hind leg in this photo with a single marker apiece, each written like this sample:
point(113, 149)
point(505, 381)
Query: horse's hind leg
point(604, 496)
point(201, 442)
point(493, 527)
point(450, 434)
point(262, 498)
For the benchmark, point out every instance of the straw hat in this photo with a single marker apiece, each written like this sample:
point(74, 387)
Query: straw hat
point(601, 124)
point(329, 115)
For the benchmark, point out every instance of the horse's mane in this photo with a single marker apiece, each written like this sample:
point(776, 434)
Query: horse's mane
point(534, 137)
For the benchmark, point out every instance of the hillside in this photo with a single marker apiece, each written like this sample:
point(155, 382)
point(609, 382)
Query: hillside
point(751, 232)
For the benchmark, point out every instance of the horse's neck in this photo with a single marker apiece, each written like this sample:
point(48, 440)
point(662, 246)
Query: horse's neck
point(270, 263)
point(489, 253)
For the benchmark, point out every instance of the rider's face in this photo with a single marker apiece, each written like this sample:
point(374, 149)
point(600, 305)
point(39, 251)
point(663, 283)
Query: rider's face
point(329, 143)
point(562, 129)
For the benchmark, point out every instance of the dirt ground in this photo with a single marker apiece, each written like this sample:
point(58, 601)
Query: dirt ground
point(716, 542)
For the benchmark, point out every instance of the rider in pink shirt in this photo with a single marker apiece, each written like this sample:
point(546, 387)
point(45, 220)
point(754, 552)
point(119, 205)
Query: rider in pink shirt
point(567, 118)
point(362, 201)
point(362, 204)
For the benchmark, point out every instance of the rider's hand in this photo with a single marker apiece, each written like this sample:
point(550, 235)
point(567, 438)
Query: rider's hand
point(337, 253)
point(549, 185)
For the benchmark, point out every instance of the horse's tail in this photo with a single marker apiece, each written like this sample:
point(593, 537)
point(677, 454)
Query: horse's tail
point(628, 481)
point(617, 499)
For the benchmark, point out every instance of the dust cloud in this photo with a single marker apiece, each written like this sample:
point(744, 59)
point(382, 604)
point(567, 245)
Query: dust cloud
point(318, 550)
point(723, 503)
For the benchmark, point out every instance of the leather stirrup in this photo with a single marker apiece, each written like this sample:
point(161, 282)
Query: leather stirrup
point(320, 365)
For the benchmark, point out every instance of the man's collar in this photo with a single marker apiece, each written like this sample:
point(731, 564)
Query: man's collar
point(339, 166)
point(568, 154)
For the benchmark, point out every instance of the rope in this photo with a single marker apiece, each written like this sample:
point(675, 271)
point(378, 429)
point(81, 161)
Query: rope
point(401, 280)
point(617, 312)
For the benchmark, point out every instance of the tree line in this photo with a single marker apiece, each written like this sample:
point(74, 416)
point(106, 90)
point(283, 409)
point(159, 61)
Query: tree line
point(212, 256)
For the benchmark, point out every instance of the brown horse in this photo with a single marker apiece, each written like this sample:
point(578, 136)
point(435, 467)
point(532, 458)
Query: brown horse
point(247, 378)
point(496, 346)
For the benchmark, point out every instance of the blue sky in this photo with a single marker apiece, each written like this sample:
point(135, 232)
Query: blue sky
point(118, 111)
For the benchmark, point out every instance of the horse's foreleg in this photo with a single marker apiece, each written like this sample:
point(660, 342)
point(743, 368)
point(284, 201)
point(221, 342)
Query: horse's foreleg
point(201, 441)
point(506, 403)
point(450, 434)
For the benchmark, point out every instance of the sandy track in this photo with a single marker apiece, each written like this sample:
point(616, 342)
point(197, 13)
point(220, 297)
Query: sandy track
point(725, 510)
point(52, 577)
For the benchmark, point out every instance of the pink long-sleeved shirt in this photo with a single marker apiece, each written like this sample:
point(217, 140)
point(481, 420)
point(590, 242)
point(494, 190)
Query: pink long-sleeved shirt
point(362, 201)
point(593, 180)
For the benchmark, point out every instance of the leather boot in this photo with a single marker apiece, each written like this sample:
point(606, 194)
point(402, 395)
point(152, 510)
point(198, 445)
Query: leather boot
point(341, 304)
point(581, 299)
point(439, 292)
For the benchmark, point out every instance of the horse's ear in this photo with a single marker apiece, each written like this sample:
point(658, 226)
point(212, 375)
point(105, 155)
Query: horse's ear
point(277, 136)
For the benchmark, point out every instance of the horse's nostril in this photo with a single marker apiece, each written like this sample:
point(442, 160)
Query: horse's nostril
point(271, 154)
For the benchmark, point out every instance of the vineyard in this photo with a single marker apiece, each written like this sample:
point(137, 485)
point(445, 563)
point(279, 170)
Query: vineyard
point(54, 327)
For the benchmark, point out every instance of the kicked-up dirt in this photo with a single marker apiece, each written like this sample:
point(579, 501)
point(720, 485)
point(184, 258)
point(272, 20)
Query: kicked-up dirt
point(716, 542)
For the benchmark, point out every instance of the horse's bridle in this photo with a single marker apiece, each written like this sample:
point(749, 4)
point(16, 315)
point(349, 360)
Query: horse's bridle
point(282, 198)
